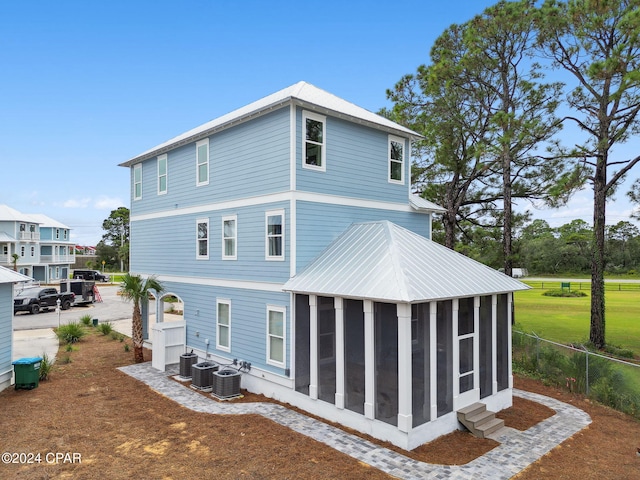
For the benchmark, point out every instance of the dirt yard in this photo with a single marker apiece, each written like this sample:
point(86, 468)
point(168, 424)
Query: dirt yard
point(97, 422)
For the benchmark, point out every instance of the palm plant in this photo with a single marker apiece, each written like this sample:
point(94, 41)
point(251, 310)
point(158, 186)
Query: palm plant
point(15, 257)
point(136, 289)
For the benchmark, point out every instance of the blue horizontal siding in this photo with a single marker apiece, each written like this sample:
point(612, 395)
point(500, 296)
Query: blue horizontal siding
point(356, 163)
point(167, 245)
point(247, 160)
point(248, 321)
point(319, 224)
point(6, 326)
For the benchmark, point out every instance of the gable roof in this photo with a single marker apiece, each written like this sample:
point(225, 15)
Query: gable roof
point(385, 262)
point(301, 93)
point(9, 276)
point(12, 215)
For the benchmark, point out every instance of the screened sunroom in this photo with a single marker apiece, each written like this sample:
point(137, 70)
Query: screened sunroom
point(397, 333)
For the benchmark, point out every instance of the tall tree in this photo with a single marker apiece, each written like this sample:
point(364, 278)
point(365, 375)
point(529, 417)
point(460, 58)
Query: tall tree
point(597, 43)
point(486, 117)
point(116, 235)
point(137, 289)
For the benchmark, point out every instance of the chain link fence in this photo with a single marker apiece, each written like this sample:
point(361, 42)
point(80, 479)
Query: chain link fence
point(607, 380)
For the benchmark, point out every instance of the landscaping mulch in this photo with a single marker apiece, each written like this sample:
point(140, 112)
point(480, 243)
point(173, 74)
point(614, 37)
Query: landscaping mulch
point(97, 422)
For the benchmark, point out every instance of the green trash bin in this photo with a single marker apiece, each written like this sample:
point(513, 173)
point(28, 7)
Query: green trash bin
point(27, 372)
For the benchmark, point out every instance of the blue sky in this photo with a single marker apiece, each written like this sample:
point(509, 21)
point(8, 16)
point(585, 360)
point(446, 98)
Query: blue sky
point(87, 85)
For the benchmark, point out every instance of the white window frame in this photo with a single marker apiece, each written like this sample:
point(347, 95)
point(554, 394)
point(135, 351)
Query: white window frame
point(57, 234)
point(273, 213)
point(219, 346)
point(22, 251)
point(198, 239)
point(199, 144)
point(65, 233)
point(323, 145)
point(234, 238)
point(165, 175)
point(137, 181)
point(33, 251)
point(402, 142)
point(283, 311)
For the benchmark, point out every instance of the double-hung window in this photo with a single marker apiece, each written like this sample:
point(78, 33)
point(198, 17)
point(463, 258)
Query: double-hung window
point(275, 235)
point(223, 332)
point(162, 174)
point(202, 246)
point(314, 137)
point(275, 335)
point(396, 159)
point(202, 162)
point(137, 181)
point(229, 237)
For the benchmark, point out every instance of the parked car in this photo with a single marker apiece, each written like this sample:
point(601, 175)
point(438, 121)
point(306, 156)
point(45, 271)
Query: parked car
point(94, 275)
point(32, 299)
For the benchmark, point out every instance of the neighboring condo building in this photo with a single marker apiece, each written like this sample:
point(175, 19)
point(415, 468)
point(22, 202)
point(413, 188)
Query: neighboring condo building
point(35, 245)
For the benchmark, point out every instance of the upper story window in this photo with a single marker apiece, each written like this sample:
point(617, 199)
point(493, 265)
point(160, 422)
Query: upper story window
point(137, 181)
point(33, 251)
point(162, 174)
point(23, 227)
point(57, 234)
point(275, 235)
point(229, 237)
point(202, 239)
point(65, 233)
point(202, 162)
point(313, 134)
point(5, 249)
point(396, 159)
point(223, 336)
point(22, 251)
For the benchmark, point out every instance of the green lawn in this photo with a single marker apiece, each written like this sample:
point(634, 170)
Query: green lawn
point(566, 320)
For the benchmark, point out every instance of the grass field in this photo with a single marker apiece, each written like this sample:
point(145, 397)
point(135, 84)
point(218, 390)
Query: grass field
point(566, 320)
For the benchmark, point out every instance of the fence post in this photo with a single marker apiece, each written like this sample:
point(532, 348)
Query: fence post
point(537, 351)
point(587, 370)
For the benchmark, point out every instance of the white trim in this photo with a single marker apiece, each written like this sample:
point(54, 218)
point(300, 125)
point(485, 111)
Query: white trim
point(273, 213)
point(222, 282)
point(159, 159)
point(279, 197)
point(223, 301)
point(207, 163)
point(137, 168)
point(292, 147)
point(198, 240)
point(401, 141)
point(323, 145)
point(283, 310)
point(235, 237)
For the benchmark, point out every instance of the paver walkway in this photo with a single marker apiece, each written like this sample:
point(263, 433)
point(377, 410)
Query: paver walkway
point(516, 451)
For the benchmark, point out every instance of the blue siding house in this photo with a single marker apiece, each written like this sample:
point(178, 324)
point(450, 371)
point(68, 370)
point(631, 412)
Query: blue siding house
point(289, 230)
point(43, 245)
point(7, 279)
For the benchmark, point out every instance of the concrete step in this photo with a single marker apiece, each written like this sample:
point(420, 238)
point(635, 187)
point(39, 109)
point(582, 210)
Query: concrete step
point(478, 420)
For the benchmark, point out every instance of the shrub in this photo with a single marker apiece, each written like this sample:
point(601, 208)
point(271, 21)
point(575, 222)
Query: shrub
point(86, 319)
point(126, 347)
point(71, 332)
point(45, 367)
point(105, 328)
point(564, 293)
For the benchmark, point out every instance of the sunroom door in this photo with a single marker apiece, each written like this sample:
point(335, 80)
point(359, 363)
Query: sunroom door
point(468, 355)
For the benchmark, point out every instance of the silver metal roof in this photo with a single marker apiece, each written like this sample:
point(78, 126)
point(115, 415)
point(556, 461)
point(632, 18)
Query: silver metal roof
point(302, 93)
point(9, 276)
point(385, 262)
point(420, 203)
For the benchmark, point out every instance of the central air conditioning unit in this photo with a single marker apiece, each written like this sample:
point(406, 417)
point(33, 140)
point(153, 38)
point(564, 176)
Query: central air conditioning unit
point(201, 375)
point(187, 360)
point(226, 383)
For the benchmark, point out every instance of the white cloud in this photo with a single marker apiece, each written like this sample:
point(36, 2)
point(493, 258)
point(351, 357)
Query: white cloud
point(107, 203)
point(75, 203)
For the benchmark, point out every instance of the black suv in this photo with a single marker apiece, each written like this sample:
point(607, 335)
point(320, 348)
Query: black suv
point(91, 275)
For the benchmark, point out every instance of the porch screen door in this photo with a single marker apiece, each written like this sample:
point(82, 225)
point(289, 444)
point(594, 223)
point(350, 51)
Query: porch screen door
point(467, 344)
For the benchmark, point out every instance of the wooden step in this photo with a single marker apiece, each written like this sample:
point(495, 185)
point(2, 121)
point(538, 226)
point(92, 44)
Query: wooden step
point(478, 420)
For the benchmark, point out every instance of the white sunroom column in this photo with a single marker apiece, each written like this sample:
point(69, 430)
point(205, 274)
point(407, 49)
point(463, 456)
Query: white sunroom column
point(455, 309)
point(337, 305)
point(510, 337)
point(369, 362)
point(159, 309)
point(313, 347)
point(405, 417)
point(433, 358)
point(494, 343)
